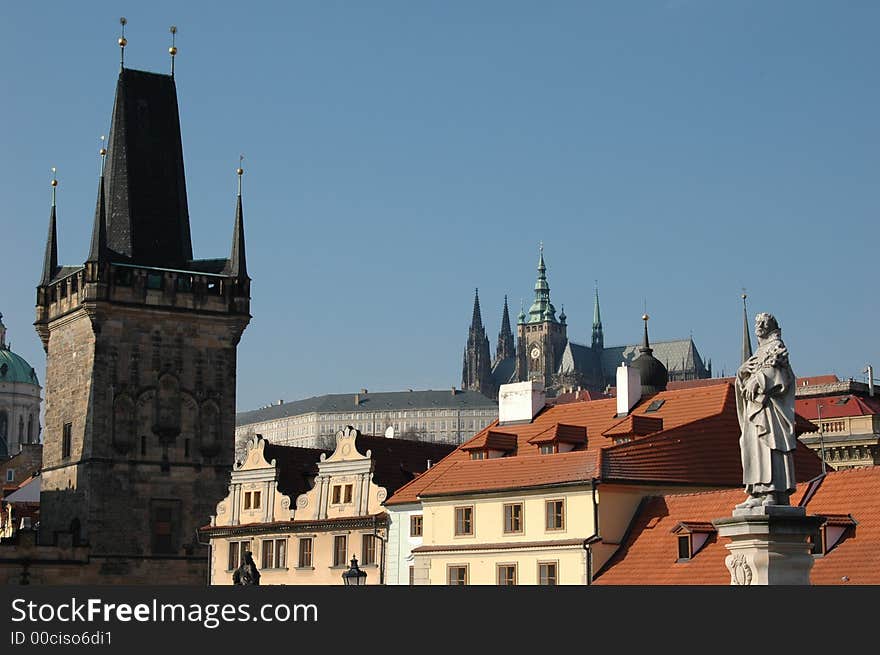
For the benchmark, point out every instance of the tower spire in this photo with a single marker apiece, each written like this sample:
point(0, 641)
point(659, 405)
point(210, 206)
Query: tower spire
point(646, 346)
point(98, 249)
point(746, 340)
point(50, 260)
point(477, 318)
point(542, 309)
point(598, 338)
point(506, 347)
point(237, 260)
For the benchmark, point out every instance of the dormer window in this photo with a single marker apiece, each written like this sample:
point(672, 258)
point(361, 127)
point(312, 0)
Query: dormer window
point(691, 537)
point(831, 533)
point(478, 454)
point(490, 445)
point(560, 438)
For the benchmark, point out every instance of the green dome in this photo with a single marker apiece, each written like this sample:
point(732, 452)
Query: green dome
point(15, 369)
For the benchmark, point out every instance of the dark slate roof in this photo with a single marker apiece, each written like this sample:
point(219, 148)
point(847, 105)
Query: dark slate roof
point(504, 371)
point(369, 402)
point(396, 462)
point(577, 357)
point(296, 467)
point(675, 355)
point(147, 214)
point(64, 271)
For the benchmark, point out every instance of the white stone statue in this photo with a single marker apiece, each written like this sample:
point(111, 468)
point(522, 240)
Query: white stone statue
point(765, 388)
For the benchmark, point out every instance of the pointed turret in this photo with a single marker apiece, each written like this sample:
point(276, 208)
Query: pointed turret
point(506, 347)
point(237, 266)
point(50, 260)
point(747, 339)
point(98, 249)
point(598, 337)
point(477, 318)
point(654, 376)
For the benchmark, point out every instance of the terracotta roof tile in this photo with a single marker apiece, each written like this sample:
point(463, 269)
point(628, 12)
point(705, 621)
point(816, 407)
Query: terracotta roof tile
point(492, 440)
point(839, 406)
point(648, 554)
point(634, 425)
point(575, 434)
point(708, 409)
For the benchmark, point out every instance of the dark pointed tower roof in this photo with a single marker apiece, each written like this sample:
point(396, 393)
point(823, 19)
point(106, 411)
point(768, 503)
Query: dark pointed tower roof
point(598, 336)
point(98, 248)
point(653, 375)
point(506, 347)
point(237, 266)
point(147, 214)
point(505, 319)
point(747, 340)
point(50, 259)
point(477, 318)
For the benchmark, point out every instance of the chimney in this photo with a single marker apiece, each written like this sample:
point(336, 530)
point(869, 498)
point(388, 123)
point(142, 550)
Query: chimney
point(429, 463)
point(280, 401)
point(870, 371)
point(629, 388)
point(357, 399)
point(364, 391)
point(453, 391)
point(520, 402)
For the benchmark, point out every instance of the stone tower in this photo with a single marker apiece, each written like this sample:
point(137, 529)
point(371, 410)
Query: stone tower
point(141, 357)
point(476, 371)
point(541, 336)
point(506, 347)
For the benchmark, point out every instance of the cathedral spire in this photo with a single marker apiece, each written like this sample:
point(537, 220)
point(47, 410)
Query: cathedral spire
point(506, 347)
point(477, 318)
point(237, 267)
point(598, 337)
point(98, 249)
point(50, 260)
point(747, 340)
point(542, 309)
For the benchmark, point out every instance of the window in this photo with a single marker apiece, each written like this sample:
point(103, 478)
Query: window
point(339, 550)
point(513, 518)
point(548, 449)
point(186, 447)
point(478, 454)
point(154, 280)
point(547, 573)
point(305, 552)
point(274, 553)
point(337, 494)
point(247, 500)
point(66, 440)
point(684, 547)
point(348, 489)
point(415, 525)
point(506, 575)
point(555, 515)
point(164, 515)
point(10, 475)
point(464, 520)
point(143, 446)
point(412, 575)
point(655, 405)
point(257, 500)
point(237, 549)
point(457, 575)
point(368, 554)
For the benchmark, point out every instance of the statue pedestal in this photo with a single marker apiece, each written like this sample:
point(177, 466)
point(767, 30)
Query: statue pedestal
point(769, 545)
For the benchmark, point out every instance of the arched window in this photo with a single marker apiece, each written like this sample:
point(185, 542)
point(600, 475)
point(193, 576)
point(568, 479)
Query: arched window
point(4, 430)
point(30, 434)
point(21, 429)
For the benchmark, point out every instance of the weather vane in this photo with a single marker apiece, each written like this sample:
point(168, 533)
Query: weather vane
point(103, 153)
point(122, 43)
point(240, 171)
point(173, 49)
point(54, 184)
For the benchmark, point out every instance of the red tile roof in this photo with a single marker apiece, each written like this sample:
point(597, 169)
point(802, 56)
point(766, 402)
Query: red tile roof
point(576, 434)
point(649, 552)
point(492, 440)
point(839, 406)
point(635, 426)
point(699, 445)
point(816, 380)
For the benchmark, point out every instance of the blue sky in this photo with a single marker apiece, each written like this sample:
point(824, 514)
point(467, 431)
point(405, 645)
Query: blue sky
point(399, 154)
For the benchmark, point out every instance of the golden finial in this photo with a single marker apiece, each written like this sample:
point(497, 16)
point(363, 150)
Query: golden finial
point(122, 43)
point(645, 317)
point(103, 153)
point(239, 171)
point(744, 295)
point(54, 184)
point(173, 49)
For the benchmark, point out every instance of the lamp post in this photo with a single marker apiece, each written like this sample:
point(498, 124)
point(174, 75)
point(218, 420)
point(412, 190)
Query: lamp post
point(354, 576)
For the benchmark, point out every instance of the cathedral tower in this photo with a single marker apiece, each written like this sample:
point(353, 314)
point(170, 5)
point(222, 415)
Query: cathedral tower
point(141, 357)
point(476, 372)
point(506, 347)
point(541, 336)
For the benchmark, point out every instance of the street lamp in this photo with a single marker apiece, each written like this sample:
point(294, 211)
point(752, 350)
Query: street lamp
point(354, 576)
